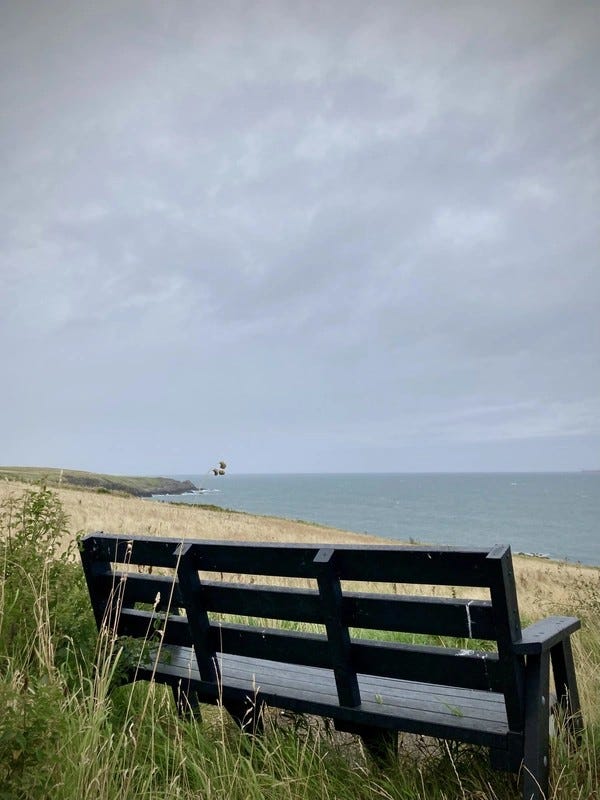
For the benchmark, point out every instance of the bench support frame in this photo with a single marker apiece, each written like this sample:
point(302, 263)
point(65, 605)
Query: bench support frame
point(506, 695)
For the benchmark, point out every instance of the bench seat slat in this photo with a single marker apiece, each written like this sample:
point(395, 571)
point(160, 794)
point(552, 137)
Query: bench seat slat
point(182, 658)
point(392, 693)
point(313, 690)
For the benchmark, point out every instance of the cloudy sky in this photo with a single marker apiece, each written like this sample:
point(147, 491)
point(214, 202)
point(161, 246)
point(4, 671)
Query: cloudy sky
point(300, 236)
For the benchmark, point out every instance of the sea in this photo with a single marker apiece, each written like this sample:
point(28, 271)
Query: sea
point(556, 515)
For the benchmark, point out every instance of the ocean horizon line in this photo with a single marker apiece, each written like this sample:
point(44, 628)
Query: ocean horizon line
point(395, 472)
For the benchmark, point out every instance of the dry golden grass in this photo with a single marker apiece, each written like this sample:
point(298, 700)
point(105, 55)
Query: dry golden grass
point(544, 586)
point(91, 511)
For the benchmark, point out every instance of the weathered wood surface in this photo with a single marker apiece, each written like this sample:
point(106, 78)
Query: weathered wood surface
point(211, 607)
point(469, 619)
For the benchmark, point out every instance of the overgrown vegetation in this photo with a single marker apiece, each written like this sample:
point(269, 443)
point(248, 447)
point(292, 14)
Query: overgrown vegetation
point(66, 731)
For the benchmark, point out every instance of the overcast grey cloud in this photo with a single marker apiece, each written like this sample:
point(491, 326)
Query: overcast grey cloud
point(300, 236)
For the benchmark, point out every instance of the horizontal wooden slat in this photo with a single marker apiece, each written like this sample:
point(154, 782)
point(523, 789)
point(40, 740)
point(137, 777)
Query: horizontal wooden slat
point(445, 566)
point(159, 552)
point(461, 668)
point(270, 602)
point(469, 669)
point(468, 619)
point(440, 665)
point(142, 624)
point(140, 588)
point(396, 705)
point(385, 691)
point(426, 615)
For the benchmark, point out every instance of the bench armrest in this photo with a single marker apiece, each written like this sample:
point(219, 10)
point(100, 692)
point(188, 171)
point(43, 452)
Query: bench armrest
point(543, 635)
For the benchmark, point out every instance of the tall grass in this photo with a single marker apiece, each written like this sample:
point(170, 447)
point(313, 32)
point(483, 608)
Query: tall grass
point(68, 730)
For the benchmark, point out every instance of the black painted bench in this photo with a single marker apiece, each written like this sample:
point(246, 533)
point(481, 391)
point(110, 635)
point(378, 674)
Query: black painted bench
point(496, 695)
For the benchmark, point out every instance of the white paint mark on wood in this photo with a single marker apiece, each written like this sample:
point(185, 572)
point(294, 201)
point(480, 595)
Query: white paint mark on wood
point(469, 624)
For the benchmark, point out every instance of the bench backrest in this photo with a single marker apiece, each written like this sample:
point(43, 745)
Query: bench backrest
point(199, 581)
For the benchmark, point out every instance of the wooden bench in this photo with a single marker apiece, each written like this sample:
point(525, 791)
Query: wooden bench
point(495, 695)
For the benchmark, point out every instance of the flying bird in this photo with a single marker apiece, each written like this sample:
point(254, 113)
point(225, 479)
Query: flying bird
point(220, 470)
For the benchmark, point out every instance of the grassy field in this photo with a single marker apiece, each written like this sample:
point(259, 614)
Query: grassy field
point(137, 486)
point(67, 728)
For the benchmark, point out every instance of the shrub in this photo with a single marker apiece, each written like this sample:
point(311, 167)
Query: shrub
point(45, 615)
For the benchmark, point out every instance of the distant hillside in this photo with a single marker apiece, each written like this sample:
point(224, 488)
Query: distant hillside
point(137, 486)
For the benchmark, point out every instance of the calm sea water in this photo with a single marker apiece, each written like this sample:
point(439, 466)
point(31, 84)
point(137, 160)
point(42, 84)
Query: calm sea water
point(554, 514)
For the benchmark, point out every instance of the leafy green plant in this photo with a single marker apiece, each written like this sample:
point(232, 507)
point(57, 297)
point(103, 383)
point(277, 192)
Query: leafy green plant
point(45, 615)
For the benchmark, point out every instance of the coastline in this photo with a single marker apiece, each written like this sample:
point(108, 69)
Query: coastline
point(544, 584)
point(138, 486)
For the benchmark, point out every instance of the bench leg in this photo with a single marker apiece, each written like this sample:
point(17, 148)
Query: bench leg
point(536, 766)
point(186, 702)
point(249, 715)
point(508, 760)
point(565, 681)
point(381, 745)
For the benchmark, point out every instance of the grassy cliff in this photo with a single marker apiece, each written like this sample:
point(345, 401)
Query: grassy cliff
point(68, 726)
point(137, 486)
